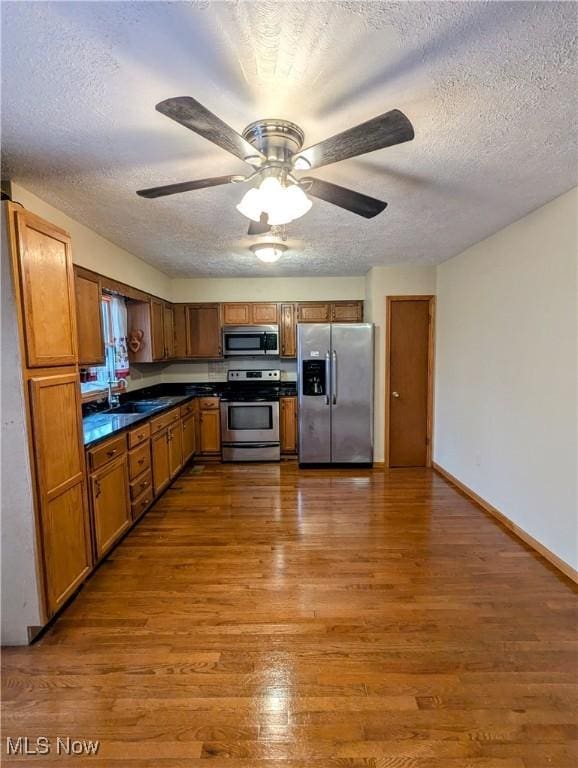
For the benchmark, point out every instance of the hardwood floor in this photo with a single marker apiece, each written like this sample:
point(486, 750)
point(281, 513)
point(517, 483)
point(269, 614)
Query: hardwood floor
point(263, 616)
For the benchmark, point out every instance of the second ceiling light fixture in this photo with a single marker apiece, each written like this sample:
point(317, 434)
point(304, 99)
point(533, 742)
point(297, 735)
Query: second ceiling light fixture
point(274, 149)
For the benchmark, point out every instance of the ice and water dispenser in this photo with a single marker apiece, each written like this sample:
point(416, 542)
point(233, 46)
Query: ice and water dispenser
point(314, 378)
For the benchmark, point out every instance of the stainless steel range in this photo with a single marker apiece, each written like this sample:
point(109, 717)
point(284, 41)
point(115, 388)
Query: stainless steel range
point(250, 416)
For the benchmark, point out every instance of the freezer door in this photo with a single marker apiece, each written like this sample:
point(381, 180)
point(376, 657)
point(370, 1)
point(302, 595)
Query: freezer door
point(313, 374)
point(352, 393)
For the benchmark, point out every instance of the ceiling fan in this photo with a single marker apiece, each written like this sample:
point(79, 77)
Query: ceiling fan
point(274, 150)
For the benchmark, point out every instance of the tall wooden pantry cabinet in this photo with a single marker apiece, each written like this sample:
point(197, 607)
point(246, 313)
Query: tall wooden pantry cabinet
point(45, 514)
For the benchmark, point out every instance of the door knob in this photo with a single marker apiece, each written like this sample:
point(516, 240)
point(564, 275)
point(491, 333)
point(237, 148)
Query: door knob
point(395, 394)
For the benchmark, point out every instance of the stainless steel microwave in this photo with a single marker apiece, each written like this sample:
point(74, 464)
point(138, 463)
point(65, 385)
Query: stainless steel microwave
point(250, 340)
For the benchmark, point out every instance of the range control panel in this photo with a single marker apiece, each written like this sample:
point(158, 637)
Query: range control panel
point(255, 375)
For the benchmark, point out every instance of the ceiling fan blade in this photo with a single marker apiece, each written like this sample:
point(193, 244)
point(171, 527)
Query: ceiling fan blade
point(383, 131)
point(362, 205)
point(186, 186)
point(188, 112)
point(260, 227)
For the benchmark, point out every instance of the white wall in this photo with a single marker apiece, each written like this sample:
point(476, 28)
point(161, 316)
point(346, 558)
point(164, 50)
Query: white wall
point(379, 283)
point(94, 252)
point(268, 289)
point(506, 418)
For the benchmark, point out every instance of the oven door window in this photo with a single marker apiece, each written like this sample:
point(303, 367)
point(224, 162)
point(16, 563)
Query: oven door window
point(251, 417)
point(244, 342)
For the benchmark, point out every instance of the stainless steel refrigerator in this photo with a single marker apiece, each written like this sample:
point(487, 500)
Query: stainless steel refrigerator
point(335, 389)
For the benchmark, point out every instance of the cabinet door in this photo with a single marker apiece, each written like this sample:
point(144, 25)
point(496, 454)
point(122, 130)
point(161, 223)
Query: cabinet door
point(264, 314)
point(110, 503)
point(169, 330)
point(89, 319)
point(174, 438)
point(347, 312)
point(158, 329)
point(236, 314)
point(288, 424)
point(313, 312)
point(180, 320)
point(189, 437)
point(204, 331)
point(288, 331)
point(161, 461)
point(47, 292)
point(210, 432)
point(59, 462)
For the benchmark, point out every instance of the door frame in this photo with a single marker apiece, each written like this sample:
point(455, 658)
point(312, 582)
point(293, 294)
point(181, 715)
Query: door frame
point(389, 300)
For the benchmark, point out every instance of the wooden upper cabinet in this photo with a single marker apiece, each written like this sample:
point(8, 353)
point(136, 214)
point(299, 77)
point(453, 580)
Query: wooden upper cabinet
point(180, 326)
point(158, 329)
point(146, 331)
point(237, 314)
point(250, 313)
point(314, 312)
point(169, 330)
point(288, 424)
point(204, 331)
point(47, 286)
point(347, 312)
point(89, 317)
point(59, 460)
point(330, 312)
point(264, 314)
point(110, 502)
point(288, 330)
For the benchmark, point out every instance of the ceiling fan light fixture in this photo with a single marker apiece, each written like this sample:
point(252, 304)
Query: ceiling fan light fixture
point(250, 205)
point(268, 252)
point(281, 204)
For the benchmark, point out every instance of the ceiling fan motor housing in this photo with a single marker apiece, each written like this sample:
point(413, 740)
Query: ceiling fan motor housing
point(278, 140)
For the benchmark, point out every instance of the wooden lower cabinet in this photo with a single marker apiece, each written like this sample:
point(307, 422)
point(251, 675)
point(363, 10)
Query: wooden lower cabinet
point(210, 427)
point(59, 462)
point(110, 503)
point(174, 437)
point(161, 461)
point(189, 436)
point(66, 544)
point(288, 425)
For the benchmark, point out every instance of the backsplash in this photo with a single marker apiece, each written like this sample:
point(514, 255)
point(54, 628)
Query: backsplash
point(216, 370)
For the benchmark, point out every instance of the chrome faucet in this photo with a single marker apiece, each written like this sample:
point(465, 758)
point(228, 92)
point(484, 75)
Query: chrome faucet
point(114, 397)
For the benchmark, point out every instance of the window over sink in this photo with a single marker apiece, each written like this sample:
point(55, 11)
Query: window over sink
point(95, 379)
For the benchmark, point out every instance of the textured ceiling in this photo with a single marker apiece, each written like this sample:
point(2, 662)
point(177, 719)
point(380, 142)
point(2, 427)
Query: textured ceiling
point(489, 87)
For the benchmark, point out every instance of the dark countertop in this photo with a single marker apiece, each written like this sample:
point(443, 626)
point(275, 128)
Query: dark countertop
point(101, 424)
point(104, 424)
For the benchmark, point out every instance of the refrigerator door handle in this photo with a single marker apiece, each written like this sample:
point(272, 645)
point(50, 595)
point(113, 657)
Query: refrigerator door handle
point(334, 377)
point(327, 378)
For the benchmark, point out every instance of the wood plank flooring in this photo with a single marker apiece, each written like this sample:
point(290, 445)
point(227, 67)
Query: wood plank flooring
point(262, 616)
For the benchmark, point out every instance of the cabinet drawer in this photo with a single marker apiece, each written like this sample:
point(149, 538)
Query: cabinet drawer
point(189, 407)
point(139, 505)
point(137, 435)
point(139, 460)
point(163, 421)
point(141, 484)
point(106, 452)
point(208, 403)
